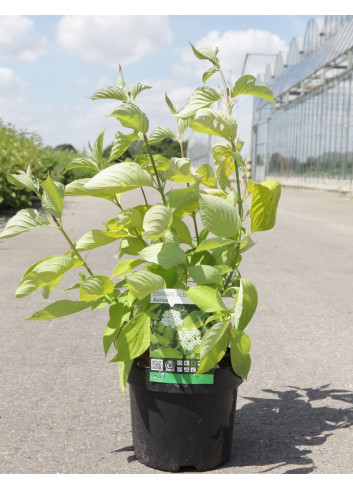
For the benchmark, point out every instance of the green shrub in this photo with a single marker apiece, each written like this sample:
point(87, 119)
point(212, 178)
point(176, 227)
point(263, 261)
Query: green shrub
point(168, 148)
point(57, 160)
point(18, 149)
point(21, 149)
point(66, 147)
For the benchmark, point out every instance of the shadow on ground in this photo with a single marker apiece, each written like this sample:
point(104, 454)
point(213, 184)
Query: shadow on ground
point(275, 431)
point(281, 430)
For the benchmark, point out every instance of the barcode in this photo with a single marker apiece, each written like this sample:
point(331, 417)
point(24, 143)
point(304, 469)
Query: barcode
point(156, 365)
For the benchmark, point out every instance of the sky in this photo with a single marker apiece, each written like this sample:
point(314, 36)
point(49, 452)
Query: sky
point(52, 63)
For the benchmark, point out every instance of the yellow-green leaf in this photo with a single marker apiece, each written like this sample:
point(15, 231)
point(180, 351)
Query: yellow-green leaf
point(264, 202)
point(134, 338)
point(117, 312)
point(77, 187)
point(167, 255)
point(124, 368)
point(143, 283)
point(204, 274)
point(121, 143)
point(246, 85)
point(119, 178)
point(246, 303)
point(179, 170)
point(213, 243)
point(213, 346)
point(24, 220)
point(216, 123)
point(45, 272)
point(181, 230)
point(95, 287)
point(183, 201)
point(125, 266)
point(206, 175)
point(53, 197)
point(94, 239)
point(219, 216)
point(59, 309)
point(202, 97)
point(157, 221)
point(131, 116)
point(239, 353)
point(206, 298)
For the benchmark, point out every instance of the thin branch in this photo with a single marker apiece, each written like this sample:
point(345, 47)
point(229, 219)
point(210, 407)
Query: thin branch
point(144, 195)
point(193, 214)
point(181, 145)
point(225, 89)
point(72, 246)
point(195, 226)
point(159, 184)
point(117, 203)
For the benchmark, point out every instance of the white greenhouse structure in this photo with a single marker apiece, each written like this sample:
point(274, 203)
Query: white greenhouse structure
point(305, 137)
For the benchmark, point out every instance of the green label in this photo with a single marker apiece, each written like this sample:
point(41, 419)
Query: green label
point(177, 327)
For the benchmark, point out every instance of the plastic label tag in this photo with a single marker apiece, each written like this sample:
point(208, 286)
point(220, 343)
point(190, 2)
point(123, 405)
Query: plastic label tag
point(177, 327)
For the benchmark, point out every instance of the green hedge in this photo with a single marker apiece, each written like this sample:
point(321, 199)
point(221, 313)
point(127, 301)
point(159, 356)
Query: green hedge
point(18, 149)
point(57, 160)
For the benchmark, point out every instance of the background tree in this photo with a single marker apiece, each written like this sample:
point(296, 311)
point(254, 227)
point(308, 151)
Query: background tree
point(168, 148)
point(66, 147)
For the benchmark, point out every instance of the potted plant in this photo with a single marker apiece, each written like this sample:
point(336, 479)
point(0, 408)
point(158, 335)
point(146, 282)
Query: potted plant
point(178, 305)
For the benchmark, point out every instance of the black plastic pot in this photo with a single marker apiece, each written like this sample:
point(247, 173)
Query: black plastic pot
point(177, 426)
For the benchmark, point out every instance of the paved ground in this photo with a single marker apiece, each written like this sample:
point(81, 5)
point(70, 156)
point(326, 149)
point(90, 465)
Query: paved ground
point(61, 410)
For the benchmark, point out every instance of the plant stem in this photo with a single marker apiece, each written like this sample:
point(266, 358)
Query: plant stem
point(144, 195)
point(193, 214)
point(245, 184)
point(225, 89)
point(159, 184)
point(232, 266)
point(240, 204)
point(107, 297)
point(240, 209)
point(138, 234)
point(117, 203)
point(181, 145)
point(195, 226)
point(236, 170)
point(185, 281)
point(72, 246)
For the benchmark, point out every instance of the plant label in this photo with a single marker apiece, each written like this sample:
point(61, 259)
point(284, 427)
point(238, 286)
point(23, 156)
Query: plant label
point(177, 328)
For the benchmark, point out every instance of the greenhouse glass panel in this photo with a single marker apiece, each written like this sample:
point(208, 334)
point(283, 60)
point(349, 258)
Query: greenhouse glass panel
point(308, 130)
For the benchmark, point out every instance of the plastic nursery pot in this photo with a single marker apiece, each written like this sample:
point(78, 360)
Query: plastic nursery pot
point(178, 426)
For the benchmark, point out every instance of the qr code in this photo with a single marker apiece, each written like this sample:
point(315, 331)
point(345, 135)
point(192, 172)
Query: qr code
point(156, 364)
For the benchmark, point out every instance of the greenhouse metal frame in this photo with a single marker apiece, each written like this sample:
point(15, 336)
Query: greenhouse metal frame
point(306, 136)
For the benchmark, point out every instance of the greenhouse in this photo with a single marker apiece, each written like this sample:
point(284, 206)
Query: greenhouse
point(306, 136)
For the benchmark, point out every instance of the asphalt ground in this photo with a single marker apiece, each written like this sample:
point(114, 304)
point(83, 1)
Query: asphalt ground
point(61, 409)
